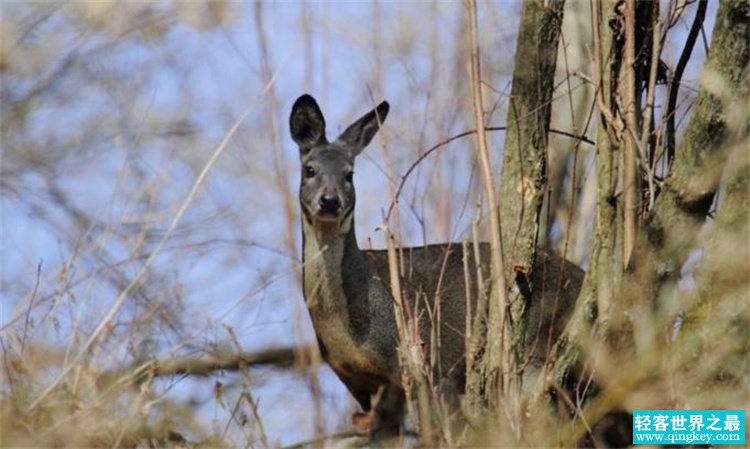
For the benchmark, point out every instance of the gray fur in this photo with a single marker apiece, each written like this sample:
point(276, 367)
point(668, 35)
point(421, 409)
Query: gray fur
point(347, 290)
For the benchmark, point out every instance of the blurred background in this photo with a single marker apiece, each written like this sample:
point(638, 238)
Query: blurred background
point(111, 114)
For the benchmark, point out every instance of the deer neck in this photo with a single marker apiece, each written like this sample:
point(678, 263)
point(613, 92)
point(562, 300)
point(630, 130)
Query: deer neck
point(328, 249)
point(336, 278)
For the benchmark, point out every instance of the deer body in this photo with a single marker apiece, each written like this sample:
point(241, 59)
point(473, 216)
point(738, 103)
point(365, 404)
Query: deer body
point(347, 290)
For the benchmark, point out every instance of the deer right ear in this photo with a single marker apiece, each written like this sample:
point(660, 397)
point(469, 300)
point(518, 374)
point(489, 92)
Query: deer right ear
point(359, 134)
point(306, 123)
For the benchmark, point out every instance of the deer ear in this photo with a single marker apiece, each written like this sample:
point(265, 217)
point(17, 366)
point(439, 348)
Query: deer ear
point(359, 134)
point(306, 123)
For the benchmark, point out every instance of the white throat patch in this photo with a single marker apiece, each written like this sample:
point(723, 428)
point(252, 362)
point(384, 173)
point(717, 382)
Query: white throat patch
point(326, 230)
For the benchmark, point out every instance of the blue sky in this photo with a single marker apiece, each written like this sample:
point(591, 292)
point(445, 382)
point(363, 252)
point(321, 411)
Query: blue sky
point(228, 265)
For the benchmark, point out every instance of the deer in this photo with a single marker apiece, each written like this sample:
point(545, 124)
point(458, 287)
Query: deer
point(347, 289)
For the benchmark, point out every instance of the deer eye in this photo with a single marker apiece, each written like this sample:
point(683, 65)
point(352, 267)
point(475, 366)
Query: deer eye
point(310, 171)
point(349, 177)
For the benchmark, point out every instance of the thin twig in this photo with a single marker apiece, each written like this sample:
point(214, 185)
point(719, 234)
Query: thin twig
point(700, 15)
point(611, 124)
point(361, 440)
point(460, 135)
point(497, 291)
point(627, 88)
point(120, 300)
point(646, 134)
point(254, 407)
point(31, 304)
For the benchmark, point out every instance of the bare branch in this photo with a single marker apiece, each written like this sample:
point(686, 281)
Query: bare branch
point(282, 358)
point(674, 88)
point(461, 135)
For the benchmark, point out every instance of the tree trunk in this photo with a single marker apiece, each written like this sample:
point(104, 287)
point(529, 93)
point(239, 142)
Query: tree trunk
point(617, 303)
point(687, 194)
point(497, 371)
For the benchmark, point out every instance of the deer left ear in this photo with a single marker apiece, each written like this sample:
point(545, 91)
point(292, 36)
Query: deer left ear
point(306, 124)
point(359, 134)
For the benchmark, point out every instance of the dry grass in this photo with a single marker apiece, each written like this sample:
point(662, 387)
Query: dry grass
point(149, 217)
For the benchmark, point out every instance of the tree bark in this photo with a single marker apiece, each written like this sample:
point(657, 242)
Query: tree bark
point(525, 156)
point(603, 274)
point(496, 372)
point(613, 300)
point(688, 193)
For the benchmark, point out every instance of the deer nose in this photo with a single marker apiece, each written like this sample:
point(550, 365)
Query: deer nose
point(330, 203)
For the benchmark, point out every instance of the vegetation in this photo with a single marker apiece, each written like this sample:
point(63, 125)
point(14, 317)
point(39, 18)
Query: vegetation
point(150, 231)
